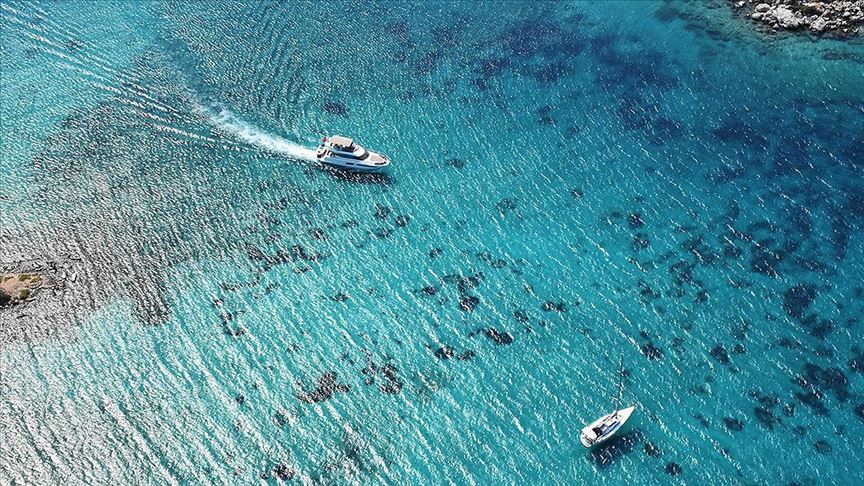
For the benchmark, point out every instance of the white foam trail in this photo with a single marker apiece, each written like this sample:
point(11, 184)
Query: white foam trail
point(231, 123)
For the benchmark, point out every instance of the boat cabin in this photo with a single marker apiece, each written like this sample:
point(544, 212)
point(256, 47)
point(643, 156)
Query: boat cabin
point(340, 142)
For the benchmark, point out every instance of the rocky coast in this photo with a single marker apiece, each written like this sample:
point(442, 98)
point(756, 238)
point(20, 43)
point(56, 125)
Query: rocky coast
point(18, 287)
point(32, 294)
point(834, 17)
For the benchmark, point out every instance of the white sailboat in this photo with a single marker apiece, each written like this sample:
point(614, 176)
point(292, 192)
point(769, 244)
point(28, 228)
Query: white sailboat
point(604, 428)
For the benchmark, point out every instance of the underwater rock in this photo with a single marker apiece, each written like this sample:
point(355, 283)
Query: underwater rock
point(859, 411)
point(765, 417)
point(498, 337)
point(635, 220)
point(429, 290)
point(650, 351)
point(797, 299)
point(550, 306)
point(235, 332)
point(487, 258)
point(240, 399)
point(281, 419)
point(468, 303)
point(383, 212)
point(765, 262)
point(254, 253)
point(816, 327)
point(340, 297)
point(813, 399)
point(284, 472)
point(445, 352)
point(493, 66)
point(733, 424)
point(393, 385)
point(831, 379)
point(521, 316)
point(335, 108)
point(505, 205)
point(402, 220)
point(327, 387)
point(550, 73)
point(640, 242)
point(382, 232)
point(577, 193)
point(823, 447)
point(428, 63)
point(672, 469)
point(646, 292)
point(317, 234)
point(455, 163)
point(544, 114)
point(616, 448)
point(434, 252)
point(719, 353)
point(74, 45)
point(651, 449)
point(465, 283)
point(466, 355)
point(856, 362)
point(297, 251)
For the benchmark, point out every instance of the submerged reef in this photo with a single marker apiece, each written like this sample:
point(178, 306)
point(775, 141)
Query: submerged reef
point(327, 387)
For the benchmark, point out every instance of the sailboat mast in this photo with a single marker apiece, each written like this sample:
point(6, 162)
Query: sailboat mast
point(620, 385)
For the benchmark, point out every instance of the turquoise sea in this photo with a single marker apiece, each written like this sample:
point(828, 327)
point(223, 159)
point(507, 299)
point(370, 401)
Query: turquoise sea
point(570, 182)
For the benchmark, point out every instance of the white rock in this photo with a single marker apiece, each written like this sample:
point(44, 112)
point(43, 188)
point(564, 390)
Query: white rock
point(818, 25)
point(786, 19)
point(762, 7)
point(757, 16)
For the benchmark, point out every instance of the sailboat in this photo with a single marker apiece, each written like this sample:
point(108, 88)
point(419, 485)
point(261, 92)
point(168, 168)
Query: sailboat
point(604, 428)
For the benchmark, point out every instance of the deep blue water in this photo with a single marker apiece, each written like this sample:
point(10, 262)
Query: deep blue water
point(571, 182)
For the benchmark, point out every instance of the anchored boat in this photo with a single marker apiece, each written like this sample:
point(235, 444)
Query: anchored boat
point(344, 153)
point(604, 428)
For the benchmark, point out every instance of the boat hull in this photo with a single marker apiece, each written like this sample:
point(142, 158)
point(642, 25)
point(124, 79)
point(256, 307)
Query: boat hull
point(618, 422)
point(353, 165)
point(352, 168)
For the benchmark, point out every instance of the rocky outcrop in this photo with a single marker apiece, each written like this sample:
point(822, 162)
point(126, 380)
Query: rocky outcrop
point(840, 18)
point(19, 287)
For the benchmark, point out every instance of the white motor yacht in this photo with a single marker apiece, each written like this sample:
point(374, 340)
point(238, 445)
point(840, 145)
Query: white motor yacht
point(342, 152)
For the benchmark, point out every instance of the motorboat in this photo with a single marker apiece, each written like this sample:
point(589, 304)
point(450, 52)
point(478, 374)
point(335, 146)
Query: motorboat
point(604, 428)
point(344, 153)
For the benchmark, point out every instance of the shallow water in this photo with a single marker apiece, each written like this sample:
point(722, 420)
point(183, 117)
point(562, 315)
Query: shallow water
point(570, 182)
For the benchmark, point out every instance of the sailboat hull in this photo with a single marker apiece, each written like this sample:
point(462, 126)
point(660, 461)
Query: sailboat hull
point(608, 425)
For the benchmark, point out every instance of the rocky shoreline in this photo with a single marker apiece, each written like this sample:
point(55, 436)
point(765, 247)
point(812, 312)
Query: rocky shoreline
point(29, 289)
point(23, 283)
point(16, 288)
point(833, 17)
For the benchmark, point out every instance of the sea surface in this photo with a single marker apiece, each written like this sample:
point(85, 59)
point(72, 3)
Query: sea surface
point(571, 183)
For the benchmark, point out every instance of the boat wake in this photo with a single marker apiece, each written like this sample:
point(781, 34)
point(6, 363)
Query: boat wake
point(227, 121)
